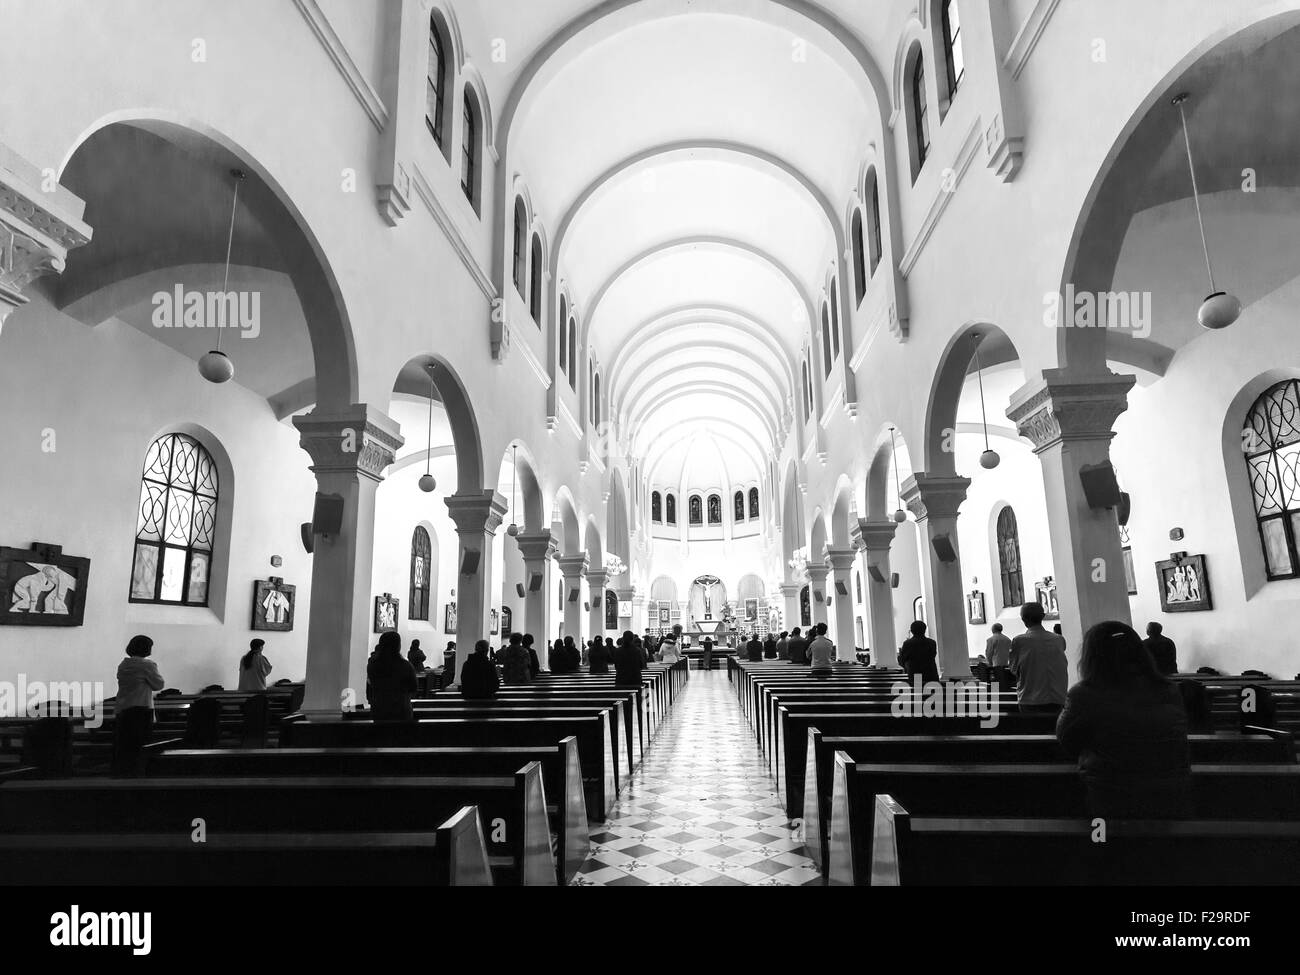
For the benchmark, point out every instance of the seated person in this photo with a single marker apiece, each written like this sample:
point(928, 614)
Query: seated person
point(478, 676)
point(390, 681)
point(628, 662)
point(601, 656)
point(919, 655)
point(1126, 724)
point(516, 664)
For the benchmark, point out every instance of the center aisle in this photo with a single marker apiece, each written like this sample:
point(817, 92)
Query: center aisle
point(701, 810)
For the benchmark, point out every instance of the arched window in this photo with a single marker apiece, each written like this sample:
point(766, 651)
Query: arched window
point(859, 257)
point(807, 393)
point(952, 56)
point(753, 502)
point(920, 121)
point(739, 506)
point(835, 317)
point(521, 254)
point(535, 281)
point(826, 337)
point(595, 400)
point(857, 585)
point(670, 509)
point(573, 354)
point(1271, 437)
point(656, 507)
point(176, 523)
point(436, 88)
point(421, 557)
point(715, 509)
point(874, 247)
point(564, 335)
point(1013, 578)
point(469, 150)
point(695, 514)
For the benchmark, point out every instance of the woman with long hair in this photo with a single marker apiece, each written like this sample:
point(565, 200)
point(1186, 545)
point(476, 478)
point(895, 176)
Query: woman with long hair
point(254, 667)
point(1126, 725)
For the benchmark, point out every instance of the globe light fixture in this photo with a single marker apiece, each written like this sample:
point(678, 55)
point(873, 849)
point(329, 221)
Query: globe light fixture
point(215, 366)
point(900, 515)
point(427, 482)
point(989, 459)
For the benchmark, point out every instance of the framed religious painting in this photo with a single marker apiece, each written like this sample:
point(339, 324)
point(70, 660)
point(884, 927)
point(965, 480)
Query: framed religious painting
point(386, 612)
point(1184, 584)
point(665, 616)
point(449, 619)
point(1045, 590)
point(496, 622)
point(273, 604)
point(975, 608)
point(507, 621)
point(40, 586)
point(751, 609)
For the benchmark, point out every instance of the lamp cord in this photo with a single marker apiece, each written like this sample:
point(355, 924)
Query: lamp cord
point(1196, 195)
point(979, 372)
point(230, 241)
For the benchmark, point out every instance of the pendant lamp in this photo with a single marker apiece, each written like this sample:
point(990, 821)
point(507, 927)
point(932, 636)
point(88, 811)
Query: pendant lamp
point(989, 459)
point(215, 366)
point(427, 482)
point(900, 515)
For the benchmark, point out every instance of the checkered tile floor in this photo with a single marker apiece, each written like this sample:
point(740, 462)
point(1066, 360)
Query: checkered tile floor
point(701, 810)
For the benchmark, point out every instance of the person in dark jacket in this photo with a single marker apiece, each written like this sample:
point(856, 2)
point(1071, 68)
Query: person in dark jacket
point(769, 648)
point(1162, 649)
point(1127, 725)
point(628, 662)
point(797, 648)
point(919, 655)
point(534, 665)
point(516, 665)
point(478, 675)
point(754, 648)
point(600, 658)
point(390, 681)
point(564, 658)
point(415, 656)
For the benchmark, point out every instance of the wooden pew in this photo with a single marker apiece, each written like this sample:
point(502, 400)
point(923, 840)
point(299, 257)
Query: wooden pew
point(913, 850)
point(1263, 747)
point(1231, 792)
point(451, 855)
point(512, 808)
point(595, 746)
point(561, 775)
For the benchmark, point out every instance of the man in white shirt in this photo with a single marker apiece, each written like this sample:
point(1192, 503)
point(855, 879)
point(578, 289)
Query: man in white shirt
point(1037, 659)
point(821, 651)
point(998, 653)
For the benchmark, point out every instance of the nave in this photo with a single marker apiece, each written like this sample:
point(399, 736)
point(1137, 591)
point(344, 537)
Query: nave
point(702, 811)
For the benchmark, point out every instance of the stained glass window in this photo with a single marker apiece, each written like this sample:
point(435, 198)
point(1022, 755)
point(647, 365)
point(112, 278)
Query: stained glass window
point(535, 281)
point(739, 506)
point(715, 509)
point(873, 222)
point(753, 502)
point(573, 354)
point(1013, 579)
point(421, 554)
point(176, 523)
point(859, 258)
point(469, 150)
point(670, 509)
point(564, 335)
point(695, 514)
point(521, 254)
point(434, 88)
point(920, 119)
point(656, 507)
point(1271, 442)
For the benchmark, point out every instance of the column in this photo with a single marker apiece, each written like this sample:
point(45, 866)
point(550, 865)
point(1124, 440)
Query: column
point(639, 621)
point(477, 518)
point(790, 597)
point(817, 584)
point(934, 500)
point(596, 579)
point(37, 229)
point(537, 548)
point(1069, 420)
point(841, 562)
point(627, 596)
point(873, 540)
point(349, 453)
point(572, 568)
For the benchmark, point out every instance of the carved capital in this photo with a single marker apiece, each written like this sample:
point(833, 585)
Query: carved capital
point(572, 567)
point(790, 590)
point(537, 546)
point(817, 573)
point(1061, 407)
point(596, 579)
point(39, 225)
point(840, 560)
point(933, 495)
point(477, 514)
point(873, 536)
point(361, 441)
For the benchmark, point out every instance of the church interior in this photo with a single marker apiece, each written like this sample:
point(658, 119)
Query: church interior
point(673, 325)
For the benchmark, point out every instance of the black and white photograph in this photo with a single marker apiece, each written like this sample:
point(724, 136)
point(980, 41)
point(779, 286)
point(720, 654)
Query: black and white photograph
point(671, 443)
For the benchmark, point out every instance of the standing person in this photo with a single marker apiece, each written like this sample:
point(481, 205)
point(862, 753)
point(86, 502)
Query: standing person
point(783, 646)
point(754, 648)
point(516, 665)
point(628, 662)
point(390, 680)
point(253, 667)
point(706, 661)
point(478, 675)
point(997, 650)
point(1126, 724)
point(1162, 649)
point(821, 652)
point(797, 648)
point(534, 665)
point(919, 655)
point(602, 656)
point(564, 658)
point(668, 649)
point(1037, 659)
point(416, 657)
point(137, 679)
point(769, 647)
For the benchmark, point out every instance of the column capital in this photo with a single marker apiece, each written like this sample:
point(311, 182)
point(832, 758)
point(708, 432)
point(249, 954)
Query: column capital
point(572, 566)
point(596, 578)
point(537, 545)
point(934, 495)
point(790, 589)
point(873, 536)
point(477, 513)
point(817, 573)
point(37, 228)
point(1062, 406)
point(359, 440)
point(841, 559)
point(628, 593)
